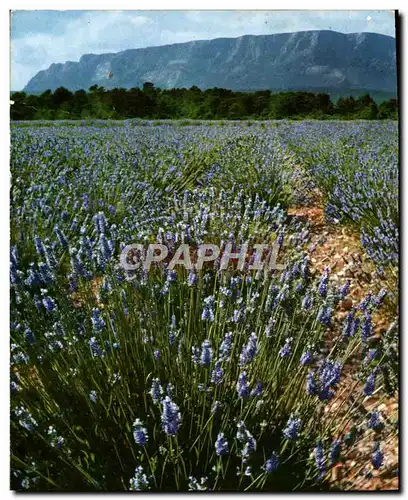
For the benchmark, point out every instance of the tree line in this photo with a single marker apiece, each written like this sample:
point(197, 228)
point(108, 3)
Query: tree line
point(211, 104)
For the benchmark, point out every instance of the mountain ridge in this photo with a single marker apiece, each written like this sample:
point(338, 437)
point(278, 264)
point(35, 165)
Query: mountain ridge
point(283, 61)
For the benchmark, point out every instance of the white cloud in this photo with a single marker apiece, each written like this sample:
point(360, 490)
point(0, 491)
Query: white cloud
point(93, 33)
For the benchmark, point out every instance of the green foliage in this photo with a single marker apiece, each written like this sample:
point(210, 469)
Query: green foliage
point(388, 110)
point(211, 104)
point(82, 371)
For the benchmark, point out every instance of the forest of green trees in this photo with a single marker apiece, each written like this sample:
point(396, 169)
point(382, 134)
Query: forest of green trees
point(212, 104)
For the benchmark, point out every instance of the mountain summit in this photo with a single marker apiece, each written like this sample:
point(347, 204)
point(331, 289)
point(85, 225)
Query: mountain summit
point(304, 60)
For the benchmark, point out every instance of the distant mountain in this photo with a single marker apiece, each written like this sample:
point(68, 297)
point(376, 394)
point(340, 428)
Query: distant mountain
point(304, 60)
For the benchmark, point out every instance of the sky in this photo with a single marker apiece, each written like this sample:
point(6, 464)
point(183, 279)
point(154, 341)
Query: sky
point(42, 37)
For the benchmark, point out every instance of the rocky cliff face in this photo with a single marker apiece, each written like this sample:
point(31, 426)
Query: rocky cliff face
point(303, 60)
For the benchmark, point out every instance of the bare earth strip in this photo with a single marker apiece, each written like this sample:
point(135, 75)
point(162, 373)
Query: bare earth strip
point(338, 249)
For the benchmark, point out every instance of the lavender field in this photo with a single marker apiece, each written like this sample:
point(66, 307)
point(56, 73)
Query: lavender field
point(175, 379)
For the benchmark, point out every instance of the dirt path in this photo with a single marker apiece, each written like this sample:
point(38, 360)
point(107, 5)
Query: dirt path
point(338, 249)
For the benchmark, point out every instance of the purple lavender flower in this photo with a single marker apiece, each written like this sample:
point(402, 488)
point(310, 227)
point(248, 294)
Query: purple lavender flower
point(379, 299)
point(349, 325)
point(140, 433)
point(329, 376)
point(50, 257)
point(206, 353)
point(77, 266)
point(14, 255)
point(238, 315)
point(61, 237)
point(171, 417)
point(292, 428)
point(304, 268)
point(371, 355)
point(249, 351)
point(370, 384)
point(98, 323)
point(217, 374)
point(226, 346)
point(354, 326)
point(156, 390)
point(322, 288)
point(171, 276)
point(242, 386)
point(365, 302)
point(257, 391)
point(325, 315)
point(242, 431)
point(335, 450)
point(306, 358)
point(139, 482)
point(295, 270)
point(311, 384)
point(374, 421)
point(344, 290)
point(37, 302)
point(221, 445)
point(33, 277)
point(286, 350)
point(105, 247)
point(192, 278)
point(208, 309)
point(100, 223)
point(366, 327)
point(272, 463)
point(48, 302)
point(85, 248)
point(377, 458)
point(307, 302)
point(14, 274)
point(318, 453)
point(85, 200)
point(30, 337)
point(39, 246)
point(26, 420)
point(95, 347)
point(250, 445)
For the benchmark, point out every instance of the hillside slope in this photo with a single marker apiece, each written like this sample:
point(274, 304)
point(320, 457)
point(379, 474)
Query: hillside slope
point(304, 60)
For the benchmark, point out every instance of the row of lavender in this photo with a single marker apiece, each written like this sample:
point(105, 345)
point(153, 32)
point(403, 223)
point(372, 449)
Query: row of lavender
point(356, 165)
point(175, 379)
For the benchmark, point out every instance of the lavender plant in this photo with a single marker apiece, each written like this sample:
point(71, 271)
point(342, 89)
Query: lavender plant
point(175, 380)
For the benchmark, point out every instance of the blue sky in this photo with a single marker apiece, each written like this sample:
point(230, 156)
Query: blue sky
point(39, 38)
